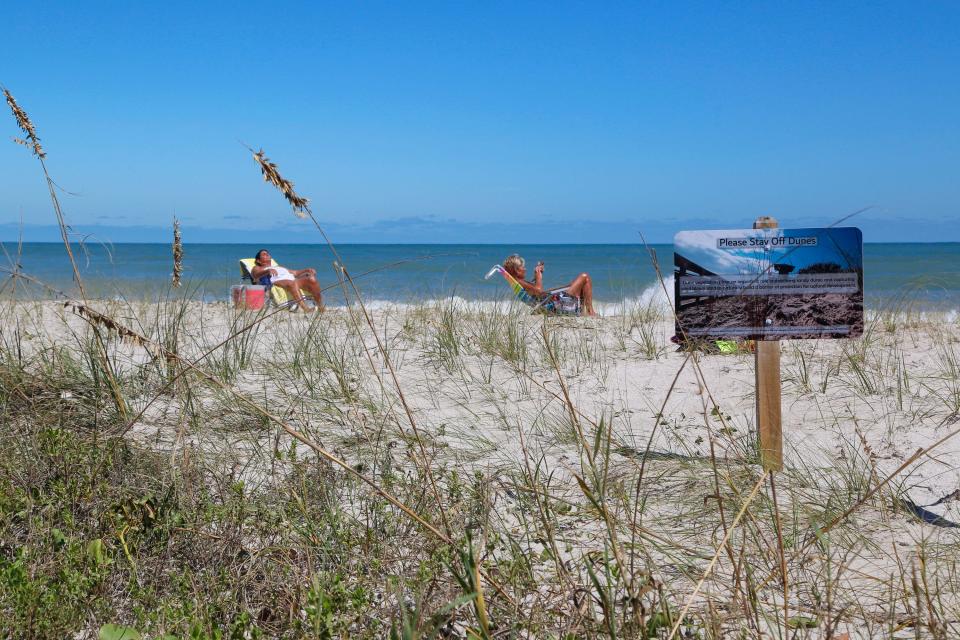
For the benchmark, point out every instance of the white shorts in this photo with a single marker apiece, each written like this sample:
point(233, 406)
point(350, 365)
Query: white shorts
point(282, 274)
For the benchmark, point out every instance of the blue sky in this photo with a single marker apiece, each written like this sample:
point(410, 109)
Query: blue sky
point(539, 121)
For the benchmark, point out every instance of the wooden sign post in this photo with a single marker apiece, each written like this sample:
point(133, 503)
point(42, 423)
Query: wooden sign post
point(768, 284)
point(767, 371)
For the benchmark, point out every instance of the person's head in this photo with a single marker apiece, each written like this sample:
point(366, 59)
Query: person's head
point(515, 266)
point(262, 258)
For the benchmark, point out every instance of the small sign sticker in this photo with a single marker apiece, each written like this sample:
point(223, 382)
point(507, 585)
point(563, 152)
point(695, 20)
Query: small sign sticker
point(769, 284)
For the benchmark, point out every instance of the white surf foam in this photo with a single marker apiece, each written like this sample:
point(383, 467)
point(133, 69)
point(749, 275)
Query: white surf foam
point(651, 299)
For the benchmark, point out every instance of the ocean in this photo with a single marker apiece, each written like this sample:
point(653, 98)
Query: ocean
point(924, 276)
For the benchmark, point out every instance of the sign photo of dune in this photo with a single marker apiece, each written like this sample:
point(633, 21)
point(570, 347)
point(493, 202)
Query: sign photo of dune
point(769, 284)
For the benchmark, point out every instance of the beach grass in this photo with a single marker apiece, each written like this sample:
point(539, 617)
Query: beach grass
point(554, 478)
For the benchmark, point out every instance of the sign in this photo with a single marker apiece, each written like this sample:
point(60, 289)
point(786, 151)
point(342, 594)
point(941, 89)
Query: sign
point(769, 284)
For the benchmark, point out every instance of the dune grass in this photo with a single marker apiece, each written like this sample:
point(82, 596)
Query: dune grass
point(554, 514)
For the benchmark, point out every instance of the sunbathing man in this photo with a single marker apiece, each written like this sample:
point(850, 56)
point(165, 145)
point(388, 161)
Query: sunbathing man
point(580, 288)
point(290, 280)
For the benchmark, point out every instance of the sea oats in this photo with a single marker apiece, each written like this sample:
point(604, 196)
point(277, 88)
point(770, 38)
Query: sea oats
point(23, 121)
point(177, 253)
point(301, 206)
point(110, 324)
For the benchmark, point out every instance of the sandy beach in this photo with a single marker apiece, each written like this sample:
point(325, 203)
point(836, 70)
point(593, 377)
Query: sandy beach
point(579, 440)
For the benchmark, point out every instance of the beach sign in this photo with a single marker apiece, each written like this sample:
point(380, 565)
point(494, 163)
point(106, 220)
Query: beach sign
point(768, 284)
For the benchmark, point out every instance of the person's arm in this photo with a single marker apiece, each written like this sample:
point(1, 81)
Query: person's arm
point(535, 287)
point(309, 271)
point(258, 272)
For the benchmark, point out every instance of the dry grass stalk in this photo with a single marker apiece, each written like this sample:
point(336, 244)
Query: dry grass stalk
point(23, 120)
point(33, 142)
point(716, 556)
point(301, 205)
point(125, 334)
point(177, 253)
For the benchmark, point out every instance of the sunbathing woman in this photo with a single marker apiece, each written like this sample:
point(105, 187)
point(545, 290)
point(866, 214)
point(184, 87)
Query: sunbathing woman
point(580, 287)
point(290, 280)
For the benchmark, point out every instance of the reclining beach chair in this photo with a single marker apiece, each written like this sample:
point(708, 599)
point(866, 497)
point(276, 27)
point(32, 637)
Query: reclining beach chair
point(277, 294)
point(554, 302)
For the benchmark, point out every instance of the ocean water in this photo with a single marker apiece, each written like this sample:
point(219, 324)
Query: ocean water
point(924, 276)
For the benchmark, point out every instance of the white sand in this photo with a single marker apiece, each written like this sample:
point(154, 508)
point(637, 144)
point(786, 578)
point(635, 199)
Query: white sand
point(905, 398)
point(847, 404)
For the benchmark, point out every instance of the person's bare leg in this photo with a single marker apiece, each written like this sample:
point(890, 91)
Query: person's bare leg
point(293, 288)
point(313, 288)
point(582, 287)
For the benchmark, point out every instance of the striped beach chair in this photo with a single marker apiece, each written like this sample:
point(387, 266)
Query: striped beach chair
point(553, 302)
